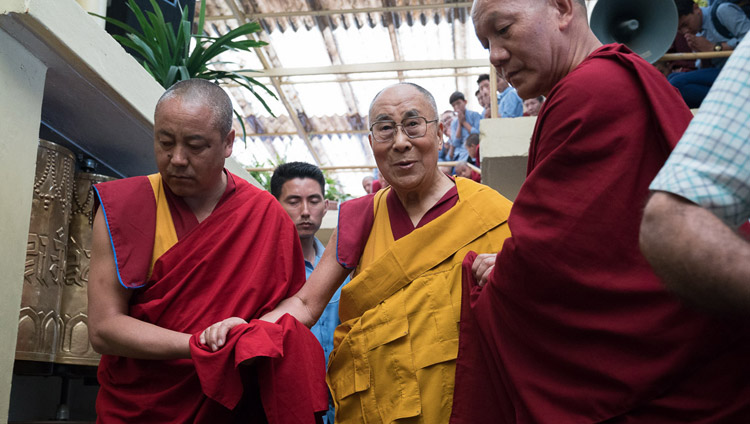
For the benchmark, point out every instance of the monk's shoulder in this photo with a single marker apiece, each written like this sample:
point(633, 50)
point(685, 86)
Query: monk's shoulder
point(481, 194)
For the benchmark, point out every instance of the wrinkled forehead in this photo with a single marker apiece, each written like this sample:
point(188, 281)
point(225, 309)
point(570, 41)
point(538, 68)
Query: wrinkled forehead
point(399, 102)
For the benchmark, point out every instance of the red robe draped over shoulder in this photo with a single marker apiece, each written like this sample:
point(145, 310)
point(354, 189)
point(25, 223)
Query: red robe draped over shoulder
point(573, 326)
point(241, 261)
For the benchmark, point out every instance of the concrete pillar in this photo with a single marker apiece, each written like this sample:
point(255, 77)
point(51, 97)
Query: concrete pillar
point(22, 78)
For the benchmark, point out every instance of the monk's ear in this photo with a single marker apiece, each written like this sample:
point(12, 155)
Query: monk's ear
point(440, 132)
point(229, 143)
point(369, 138)
point(565, 11)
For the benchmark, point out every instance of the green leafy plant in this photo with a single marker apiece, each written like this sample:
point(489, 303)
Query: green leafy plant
point(334, 191)
point(167, 56)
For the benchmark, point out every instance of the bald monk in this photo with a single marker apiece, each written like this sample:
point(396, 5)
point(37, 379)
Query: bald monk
point(173, 252)
point(575, 326)
point(395, 352)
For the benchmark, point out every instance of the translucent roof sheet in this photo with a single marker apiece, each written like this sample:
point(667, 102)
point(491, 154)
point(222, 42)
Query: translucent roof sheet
point(331, 107)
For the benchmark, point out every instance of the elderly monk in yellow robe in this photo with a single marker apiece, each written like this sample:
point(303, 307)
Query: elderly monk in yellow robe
point(395, 352)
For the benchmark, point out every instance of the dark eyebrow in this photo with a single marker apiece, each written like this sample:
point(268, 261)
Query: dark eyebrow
point(383, 117)
point(164, 132)
point(411, 113)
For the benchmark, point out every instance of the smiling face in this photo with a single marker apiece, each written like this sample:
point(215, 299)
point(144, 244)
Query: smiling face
point(302, 198)
point(408, 164)
point(524, 41)
point(189, 149)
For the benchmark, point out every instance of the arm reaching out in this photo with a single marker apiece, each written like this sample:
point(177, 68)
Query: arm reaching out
point(111, 330)
point(696, 254)
point(306, 305)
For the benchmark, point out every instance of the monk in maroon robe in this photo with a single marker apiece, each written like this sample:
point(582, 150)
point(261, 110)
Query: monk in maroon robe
point(179, 250)
point(568, 323)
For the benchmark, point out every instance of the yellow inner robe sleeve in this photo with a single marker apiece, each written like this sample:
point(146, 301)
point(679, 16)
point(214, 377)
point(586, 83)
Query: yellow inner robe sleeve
point(395, 352)
point(166, 235)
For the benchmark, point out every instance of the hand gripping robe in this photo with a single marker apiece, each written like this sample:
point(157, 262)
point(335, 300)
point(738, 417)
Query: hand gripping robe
point(575, 326)
point(240, 261)
point(395, 351)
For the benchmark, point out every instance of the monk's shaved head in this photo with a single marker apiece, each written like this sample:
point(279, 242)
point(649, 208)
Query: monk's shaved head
point(206, 93)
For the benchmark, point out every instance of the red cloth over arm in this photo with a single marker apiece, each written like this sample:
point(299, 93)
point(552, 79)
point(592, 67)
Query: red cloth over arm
point(289, 363)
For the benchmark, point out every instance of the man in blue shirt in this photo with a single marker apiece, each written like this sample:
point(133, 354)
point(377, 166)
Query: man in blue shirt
point(703, 35)
point(464, 123)
point(299, 187)
point(509, 105)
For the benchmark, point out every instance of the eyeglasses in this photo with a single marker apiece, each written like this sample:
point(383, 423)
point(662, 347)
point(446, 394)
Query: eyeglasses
point(385, 131)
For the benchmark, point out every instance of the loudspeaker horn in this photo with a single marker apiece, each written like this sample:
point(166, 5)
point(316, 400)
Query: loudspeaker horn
point(648, 27)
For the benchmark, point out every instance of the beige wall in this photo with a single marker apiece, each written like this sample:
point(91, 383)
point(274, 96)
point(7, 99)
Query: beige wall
point(22, 81)
point(504, 152)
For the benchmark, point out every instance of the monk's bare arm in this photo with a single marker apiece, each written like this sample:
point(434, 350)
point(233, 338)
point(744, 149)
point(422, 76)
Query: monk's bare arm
point(111, 330)
point(309, 302)
point(696, 254)
point(306, 305)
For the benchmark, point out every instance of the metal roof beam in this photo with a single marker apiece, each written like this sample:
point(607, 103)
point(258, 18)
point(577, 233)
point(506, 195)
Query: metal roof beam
point(346, 11)
point(242, 18)
point(363, 68)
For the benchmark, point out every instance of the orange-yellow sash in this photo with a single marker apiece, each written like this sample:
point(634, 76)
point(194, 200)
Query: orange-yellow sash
point(165, 236)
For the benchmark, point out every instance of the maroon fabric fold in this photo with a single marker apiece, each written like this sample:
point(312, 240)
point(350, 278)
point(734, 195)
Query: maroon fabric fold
point(129, 210)
point(289, 366)
point(575, 326)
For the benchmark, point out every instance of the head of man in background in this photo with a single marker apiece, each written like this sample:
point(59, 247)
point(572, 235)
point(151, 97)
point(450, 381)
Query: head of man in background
point(458, 103)
point(367, 184)
point(300, 188)
point(532, 106)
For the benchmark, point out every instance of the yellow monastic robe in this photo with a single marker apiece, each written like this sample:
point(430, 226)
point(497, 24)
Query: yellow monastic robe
point(395, 352)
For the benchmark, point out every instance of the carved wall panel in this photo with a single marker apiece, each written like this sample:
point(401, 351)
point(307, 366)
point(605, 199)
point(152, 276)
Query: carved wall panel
point(39, 321)
point(74, 347)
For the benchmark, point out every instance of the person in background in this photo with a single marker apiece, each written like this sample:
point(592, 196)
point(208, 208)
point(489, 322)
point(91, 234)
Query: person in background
point(532, 106)
point(463, 170)
point(300, 188)
point(472, 145)
point(367, 184)
point(446, 118)
point(465, 122)
point(720, 27)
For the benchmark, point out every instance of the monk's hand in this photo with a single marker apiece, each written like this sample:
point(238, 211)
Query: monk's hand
point(216, 335)
point(482, 267)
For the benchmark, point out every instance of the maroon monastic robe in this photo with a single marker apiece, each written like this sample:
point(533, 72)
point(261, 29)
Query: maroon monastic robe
point(573, 326)
point(240, 261)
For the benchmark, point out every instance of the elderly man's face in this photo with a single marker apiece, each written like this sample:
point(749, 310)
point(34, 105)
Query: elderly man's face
point(523, 40)
point(406, 163)
point(189, 149)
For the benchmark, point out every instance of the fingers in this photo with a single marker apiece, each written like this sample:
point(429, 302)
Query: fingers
point(481, 264)
point(486, 276)
point(215, 335)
